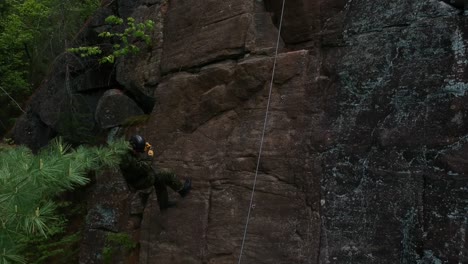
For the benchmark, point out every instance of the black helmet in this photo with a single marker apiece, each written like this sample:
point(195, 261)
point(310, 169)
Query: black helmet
point(138, 143)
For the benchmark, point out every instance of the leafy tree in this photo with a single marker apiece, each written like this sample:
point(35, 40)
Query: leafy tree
point(32, 34)
point(16, 33)
point(29, 183)
point(125, 40)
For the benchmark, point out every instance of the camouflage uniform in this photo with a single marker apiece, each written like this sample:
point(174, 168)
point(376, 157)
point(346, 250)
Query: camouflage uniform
point(140, 175)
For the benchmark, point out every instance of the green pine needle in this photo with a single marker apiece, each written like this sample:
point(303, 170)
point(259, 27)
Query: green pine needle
point(29, 183)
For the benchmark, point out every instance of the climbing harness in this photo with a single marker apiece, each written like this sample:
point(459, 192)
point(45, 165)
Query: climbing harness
point(263, 134)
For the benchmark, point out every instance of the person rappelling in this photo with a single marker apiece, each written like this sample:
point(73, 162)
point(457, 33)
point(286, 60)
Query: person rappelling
point(140, 175)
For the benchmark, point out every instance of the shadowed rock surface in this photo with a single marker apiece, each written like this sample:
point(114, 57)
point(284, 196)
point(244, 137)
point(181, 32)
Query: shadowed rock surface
point(366, 145)
point(114, 108)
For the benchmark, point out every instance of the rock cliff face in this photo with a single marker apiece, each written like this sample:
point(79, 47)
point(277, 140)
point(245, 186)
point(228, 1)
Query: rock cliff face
point(366, 144)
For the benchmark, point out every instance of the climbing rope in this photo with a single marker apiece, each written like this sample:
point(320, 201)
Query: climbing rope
point(263, 134)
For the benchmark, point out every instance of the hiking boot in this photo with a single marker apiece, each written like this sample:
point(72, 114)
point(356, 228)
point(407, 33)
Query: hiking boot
point(186, 189)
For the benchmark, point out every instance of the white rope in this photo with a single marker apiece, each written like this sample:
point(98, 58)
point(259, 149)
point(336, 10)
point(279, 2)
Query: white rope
point(263, 134)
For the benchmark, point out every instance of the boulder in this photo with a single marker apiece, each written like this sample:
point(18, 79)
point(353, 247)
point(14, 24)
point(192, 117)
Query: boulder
point(30, 131)
point(70, 114)
point(114, 108)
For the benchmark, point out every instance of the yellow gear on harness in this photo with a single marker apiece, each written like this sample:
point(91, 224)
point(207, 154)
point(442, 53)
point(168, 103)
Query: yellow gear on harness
point(149, 149)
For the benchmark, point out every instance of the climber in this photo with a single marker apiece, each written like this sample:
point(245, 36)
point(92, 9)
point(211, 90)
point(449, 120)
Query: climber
point(139, 174)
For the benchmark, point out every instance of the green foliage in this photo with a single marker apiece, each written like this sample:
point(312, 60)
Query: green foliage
point(117, 242)
point(125, 40)
point(21, 26)
point(86, 51)
point(29, 183)
point(32, 34)
point(62, 247)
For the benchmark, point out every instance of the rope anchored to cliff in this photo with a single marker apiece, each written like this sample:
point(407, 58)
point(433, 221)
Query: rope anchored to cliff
point(263, 134)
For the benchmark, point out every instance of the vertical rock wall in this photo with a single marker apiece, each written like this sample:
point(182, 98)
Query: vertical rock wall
point(364, 151)
point(393, 176)
point(364, 159)
point(216, 66)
